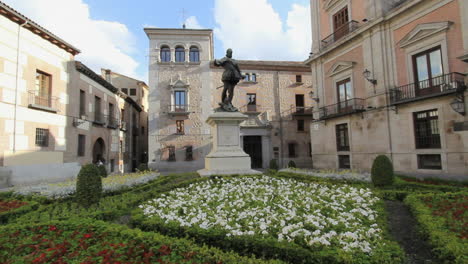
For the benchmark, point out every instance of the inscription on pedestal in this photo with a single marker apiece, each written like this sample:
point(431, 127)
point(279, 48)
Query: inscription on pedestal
point(228, 135)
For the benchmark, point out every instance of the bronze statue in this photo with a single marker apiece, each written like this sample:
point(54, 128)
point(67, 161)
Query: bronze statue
point(231, 77)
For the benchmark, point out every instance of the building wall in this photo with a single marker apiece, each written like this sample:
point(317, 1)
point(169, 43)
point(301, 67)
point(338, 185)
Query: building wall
point(140, 149)
point(195, 77)
point(385, 45)
point(275, 90)
point(21, 54)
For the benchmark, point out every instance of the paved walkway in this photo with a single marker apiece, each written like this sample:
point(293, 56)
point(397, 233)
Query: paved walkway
point(403, 228)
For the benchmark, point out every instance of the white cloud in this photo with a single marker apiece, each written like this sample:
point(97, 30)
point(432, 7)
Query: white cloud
point(103, 44)
point(192, 22)
point(257, 32)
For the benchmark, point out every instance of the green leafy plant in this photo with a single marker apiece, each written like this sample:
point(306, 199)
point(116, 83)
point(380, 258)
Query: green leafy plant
point(102, 171)
point(292, 164)
point(273, 164)
point(89, 185)
point(382, 171)
point(90, 241)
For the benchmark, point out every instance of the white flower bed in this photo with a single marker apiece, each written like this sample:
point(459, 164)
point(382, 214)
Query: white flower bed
point(65, 189)
point(333, 174)
point(307, 213)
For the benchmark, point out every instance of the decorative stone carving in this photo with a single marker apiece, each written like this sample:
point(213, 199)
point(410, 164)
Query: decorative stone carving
point(423, 31)
point(340, 66)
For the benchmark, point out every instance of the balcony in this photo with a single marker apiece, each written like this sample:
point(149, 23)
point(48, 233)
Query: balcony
point(341, 32)
point(437, 86)
point(112, 122)
point(301, 111)
point(355, 105)
point(179, 110)
point(42, 102)
point(99, 119)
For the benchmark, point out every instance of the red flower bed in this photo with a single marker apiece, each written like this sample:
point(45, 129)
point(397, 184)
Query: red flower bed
point(454, 209)
point(55, 244)
point(10, 205)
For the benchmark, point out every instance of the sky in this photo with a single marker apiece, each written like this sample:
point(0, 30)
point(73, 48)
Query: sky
point(110, 33)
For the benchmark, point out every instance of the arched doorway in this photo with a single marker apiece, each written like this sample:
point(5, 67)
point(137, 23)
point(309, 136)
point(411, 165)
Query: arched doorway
point(99, 151)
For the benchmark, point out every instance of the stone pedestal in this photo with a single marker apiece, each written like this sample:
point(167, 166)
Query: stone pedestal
point(227, 156)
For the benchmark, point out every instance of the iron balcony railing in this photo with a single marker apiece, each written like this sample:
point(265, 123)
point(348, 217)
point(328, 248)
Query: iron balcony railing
point(440, 85)
point(301, 110)
point(350, 106)
point(99, 119)
point(342, 31)
point(179, 109)
point(250, 108)
point(45, 102)
point(112, 122)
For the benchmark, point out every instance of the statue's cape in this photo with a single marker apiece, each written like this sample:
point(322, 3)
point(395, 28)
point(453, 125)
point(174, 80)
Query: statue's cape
point(231, 69)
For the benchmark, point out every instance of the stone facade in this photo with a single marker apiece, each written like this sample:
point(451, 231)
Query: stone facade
point(272, 124)
point(41, 113)
point(137, 91)
point(391, 115)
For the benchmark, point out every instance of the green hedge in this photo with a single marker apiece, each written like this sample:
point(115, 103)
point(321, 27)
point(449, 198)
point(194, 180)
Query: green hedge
point(79, 240)
point(89, 185)
point(109, 208)
point(382, 171)
point(447, 246)
point(266, 248)
point(6, 216)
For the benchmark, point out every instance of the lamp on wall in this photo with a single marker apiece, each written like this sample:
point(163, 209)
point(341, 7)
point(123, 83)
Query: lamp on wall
point(311, 95)
point(367, 75)
point(458, 105)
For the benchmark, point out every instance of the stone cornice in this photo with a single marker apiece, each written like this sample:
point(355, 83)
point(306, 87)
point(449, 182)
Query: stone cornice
point(423, 31)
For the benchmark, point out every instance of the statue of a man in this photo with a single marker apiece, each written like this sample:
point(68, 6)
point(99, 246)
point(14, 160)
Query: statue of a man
point(231, 77)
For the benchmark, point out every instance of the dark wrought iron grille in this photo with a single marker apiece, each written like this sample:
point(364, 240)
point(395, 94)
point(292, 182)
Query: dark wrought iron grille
point(426, 128)
point(429, 162)
point(342, 108)
point(42, 137)
point(439, 85)
point(340, 33)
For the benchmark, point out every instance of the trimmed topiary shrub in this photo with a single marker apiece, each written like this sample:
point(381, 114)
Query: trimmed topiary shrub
point(88, 185)
point(382, 171)
point(291, 164)
point(102, 171)
point(273, 165)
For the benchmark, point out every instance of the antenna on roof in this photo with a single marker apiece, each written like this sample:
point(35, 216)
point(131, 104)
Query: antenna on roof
point(184, 18)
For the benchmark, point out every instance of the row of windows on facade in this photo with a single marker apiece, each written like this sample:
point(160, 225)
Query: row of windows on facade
point(180, 128)
point(133, 91)
point(428, 77)
point(426, 134)
point(166, 56)
point(171, 152)
point(98, 116)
